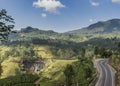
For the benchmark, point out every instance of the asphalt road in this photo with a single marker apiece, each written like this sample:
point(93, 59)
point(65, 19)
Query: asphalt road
point(106, 73)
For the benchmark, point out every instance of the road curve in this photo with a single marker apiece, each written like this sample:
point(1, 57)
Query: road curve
point(106, 74)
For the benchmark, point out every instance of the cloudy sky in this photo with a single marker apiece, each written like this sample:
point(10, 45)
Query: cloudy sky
point(60, 15)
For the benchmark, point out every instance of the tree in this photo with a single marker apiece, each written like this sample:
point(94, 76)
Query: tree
point(119, 47)
point(6, 25)
point(0, 69)
point(83, 51)
point(107, 54)
point(96, 50)
point(102, 52)
point(83, 71)
point(69, 73)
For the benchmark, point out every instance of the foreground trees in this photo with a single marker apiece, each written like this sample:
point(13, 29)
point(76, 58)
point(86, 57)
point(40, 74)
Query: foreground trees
point(6, 26)
point(69, 73)
point(81, 72)
point(102, 52)
point(0, 69)
point(25, 80)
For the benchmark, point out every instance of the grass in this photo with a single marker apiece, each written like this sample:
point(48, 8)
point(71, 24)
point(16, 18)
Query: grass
point(46, 84)
point(3, 49)
point(54, 69)
point(52, 72)
point(9, 68)
point(43, 51)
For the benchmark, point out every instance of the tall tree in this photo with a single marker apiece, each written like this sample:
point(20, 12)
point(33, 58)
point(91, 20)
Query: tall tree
point(96, 50)
point(6, 25)
point(83, 51)
point(119, 47)
point(0, 69)
point(69, 73)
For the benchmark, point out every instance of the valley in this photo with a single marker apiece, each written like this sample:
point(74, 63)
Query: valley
point(34, 57)
point(48, 58)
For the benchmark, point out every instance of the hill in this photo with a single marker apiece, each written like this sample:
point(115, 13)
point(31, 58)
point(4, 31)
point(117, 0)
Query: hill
point(110, 26)
point(31, 29)
point(30, 32)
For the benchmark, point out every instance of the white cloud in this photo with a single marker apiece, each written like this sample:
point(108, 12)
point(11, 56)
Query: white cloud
point(116, 1)
point(92, 20)
point(93, 3)
point(49, 5)
point(44, 15)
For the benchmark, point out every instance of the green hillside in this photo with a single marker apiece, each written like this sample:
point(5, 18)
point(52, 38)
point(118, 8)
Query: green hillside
point(110, 26)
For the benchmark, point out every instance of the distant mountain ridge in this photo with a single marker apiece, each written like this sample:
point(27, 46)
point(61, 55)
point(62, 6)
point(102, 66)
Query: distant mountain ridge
point(28, 29)
point(31, 29)
point(110, 26)
point(30, 32)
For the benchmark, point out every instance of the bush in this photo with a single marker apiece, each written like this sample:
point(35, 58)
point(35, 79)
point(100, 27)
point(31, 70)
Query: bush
point(17, 80)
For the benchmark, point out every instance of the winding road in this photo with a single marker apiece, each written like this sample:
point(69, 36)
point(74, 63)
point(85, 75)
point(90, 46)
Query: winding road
point(106, 73)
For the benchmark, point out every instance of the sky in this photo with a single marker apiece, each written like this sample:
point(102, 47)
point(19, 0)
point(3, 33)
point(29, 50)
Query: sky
point(60, 15)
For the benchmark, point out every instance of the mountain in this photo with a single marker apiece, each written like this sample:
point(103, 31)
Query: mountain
point(110, 26)
point(30, 32)
point(28, 29)
point(31, 29)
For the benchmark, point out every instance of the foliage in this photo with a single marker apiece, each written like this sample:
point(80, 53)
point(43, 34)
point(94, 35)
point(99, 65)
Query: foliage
point(24, 80)
point(80, 73)
point(119, 47)
point(5, 24)
point(5, 28)
point(69, 73)
point(26, 84)
point(22, 52)
point(84, 71)
point(96, 50)
point(0, 70)
point(102, 52)
point(83, 52)
point(10, 67)
point(116, 55)
point(54, 70)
